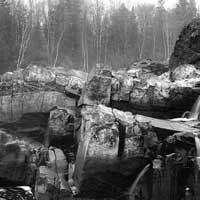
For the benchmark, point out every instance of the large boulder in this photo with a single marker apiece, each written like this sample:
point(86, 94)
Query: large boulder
point(185, 71)
point(110, 152)
point(187, 47)
point(61, 122)
point(97, 90)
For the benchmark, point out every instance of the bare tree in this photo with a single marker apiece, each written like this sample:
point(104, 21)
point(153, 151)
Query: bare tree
point(26, 33)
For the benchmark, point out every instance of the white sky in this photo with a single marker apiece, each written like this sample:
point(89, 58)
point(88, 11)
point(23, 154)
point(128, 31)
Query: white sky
point(168, 3)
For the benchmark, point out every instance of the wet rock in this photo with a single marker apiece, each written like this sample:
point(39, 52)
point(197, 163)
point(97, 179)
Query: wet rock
point(187, 47)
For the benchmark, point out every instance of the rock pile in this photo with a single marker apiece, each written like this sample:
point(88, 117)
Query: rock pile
point(86, 114)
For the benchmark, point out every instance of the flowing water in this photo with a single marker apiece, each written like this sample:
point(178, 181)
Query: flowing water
point(195, 109)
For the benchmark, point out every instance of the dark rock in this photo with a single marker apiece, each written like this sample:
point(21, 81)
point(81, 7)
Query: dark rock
point(187, 47)
point(149, 66)
point(18, 160)
point(97, 90)
point(61, 123)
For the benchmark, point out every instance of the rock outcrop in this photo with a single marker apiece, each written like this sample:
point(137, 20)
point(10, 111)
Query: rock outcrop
point(114, 146)
point(138, 89)
point(42, 107)
point(187, 47)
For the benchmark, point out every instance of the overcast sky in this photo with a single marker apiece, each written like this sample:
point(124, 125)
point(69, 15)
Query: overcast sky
point(168, 3)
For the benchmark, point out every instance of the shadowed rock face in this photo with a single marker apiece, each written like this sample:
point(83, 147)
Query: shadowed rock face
point(15, 160)
point(187, 47)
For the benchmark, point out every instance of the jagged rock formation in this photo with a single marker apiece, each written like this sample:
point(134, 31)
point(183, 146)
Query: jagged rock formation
point(116, 145)
point(60, 108)
point(35, 89)
point(187, 47)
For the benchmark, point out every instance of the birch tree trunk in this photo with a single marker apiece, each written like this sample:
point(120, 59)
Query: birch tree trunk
point(26, 33)
point(167, 37)
point(58, 46)
point(143, 37)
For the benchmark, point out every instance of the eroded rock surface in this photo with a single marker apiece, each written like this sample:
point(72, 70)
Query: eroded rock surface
point(187, 47)
point(110, 152)
point(139, 88)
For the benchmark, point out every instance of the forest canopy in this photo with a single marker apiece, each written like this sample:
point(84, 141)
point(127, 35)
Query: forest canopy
point(80, 33)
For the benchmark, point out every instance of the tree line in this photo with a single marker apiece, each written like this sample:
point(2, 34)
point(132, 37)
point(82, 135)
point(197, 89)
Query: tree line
point(81, 33)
